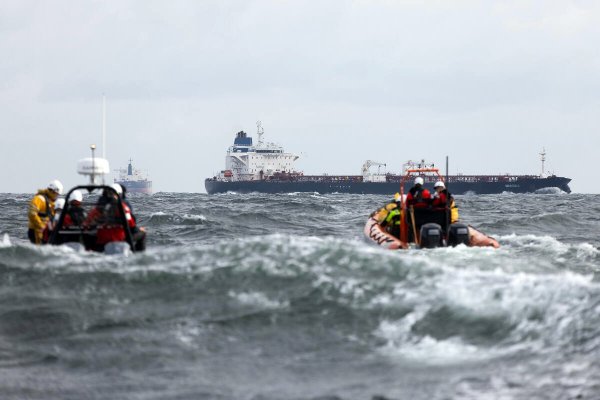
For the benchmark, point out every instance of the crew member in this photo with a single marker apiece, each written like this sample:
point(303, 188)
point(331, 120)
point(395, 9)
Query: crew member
point(51, 225)
point(418, 196)
point(138, 233)
point(107, 217)
point(59, 204)
point(390, 216)
point(125, 199)
point(75, 213)
point(41, 210)
point(442, 199)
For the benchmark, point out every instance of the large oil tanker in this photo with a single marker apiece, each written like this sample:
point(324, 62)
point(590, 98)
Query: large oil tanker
point(133, 180)
point(267, 168)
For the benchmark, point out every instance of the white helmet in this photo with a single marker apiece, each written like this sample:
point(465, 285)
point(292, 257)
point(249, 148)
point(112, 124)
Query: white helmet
point(439, 184)
point(419, 180)
point(118, 188)
point(59, 204)
point(76, 196)
point(56, 186)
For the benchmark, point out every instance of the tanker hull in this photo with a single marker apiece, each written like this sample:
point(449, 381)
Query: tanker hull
point(528, 185)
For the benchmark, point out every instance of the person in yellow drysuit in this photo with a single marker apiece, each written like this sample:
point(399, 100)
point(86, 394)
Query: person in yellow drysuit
point(390, 216)
point(41, 210)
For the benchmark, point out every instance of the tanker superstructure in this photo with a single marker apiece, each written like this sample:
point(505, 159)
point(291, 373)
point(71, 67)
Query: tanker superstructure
point(246, 162)
point(133, 180)
point(267, 168)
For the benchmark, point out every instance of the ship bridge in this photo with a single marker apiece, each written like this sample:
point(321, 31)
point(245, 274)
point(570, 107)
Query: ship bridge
point(245, 161)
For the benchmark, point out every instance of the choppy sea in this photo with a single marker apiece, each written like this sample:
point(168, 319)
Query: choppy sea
point(267, 297)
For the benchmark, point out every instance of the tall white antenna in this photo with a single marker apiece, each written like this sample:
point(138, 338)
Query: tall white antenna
point(103, 126)
point(92, 176)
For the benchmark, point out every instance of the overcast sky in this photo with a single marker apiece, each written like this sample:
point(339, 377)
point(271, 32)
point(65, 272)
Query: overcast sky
point(338, 82)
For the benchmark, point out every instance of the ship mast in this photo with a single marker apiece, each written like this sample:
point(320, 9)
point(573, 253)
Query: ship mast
point(259, 132)
point(543, 157)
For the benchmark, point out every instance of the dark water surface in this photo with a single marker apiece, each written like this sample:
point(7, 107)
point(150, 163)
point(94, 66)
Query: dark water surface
point(265, 297)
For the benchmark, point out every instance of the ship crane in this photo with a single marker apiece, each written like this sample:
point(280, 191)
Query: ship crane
point(367, 176)
point(368, 164)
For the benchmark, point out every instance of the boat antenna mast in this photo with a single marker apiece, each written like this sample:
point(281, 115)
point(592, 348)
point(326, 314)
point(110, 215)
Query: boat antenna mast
point(92, 175)
point(259, 131)
point(93, 167)
point(103, 126)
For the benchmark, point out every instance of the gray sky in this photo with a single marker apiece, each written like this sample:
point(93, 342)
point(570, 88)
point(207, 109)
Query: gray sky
point(338, 82)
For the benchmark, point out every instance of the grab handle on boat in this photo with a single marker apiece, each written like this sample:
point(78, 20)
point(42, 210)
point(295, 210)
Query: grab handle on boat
point(414, 226)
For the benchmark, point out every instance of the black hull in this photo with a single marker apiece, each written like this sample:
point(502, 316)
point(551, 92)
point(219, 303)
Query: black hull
point(527, 185)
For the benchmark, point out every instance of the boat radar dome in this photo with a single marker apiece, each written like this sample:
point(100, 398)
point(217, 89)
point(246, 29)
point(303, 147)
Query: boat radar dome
point(92, 167)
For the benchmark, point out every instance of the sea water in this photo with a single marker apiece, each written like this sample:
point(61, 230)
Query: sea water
point(265, 297)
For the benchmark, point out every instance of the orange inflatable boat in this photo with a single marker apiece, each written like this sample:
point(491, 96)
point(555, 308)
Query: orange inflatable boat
point(469, 236)
point(398, 225)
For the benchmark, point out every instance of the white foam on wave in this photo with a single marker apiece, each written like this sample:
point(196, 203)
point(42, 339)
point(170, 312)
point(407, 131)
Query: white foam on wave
point(178, 218)
point(277, 255)
point(5, 241)
point(551, 246)
point(187, 335)
point(189, 332)
point(534, 240)
point(257, 299)
point(499, 291)
point(550, 190)
point(587, 250)
point(194, 217)
point(426, 349)
point(63, 258)
point(542, 215)
point(539, 312)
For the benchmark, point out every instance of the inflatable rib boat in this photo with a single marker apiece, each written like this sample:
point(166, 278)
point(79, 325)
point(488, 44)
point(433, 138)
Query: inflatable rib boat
point(431, 235)
point(399, 226)
point(97, 221)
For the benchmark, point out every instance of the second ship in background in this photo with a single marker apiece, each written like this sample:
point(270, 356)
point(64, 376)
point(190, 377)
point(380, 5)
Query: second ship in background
point(133, 180)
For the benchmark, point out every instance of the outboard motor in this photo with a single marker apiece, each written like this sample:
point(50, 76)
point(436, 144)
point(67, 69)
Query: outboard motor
point(431, 236)
point(459, 234)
